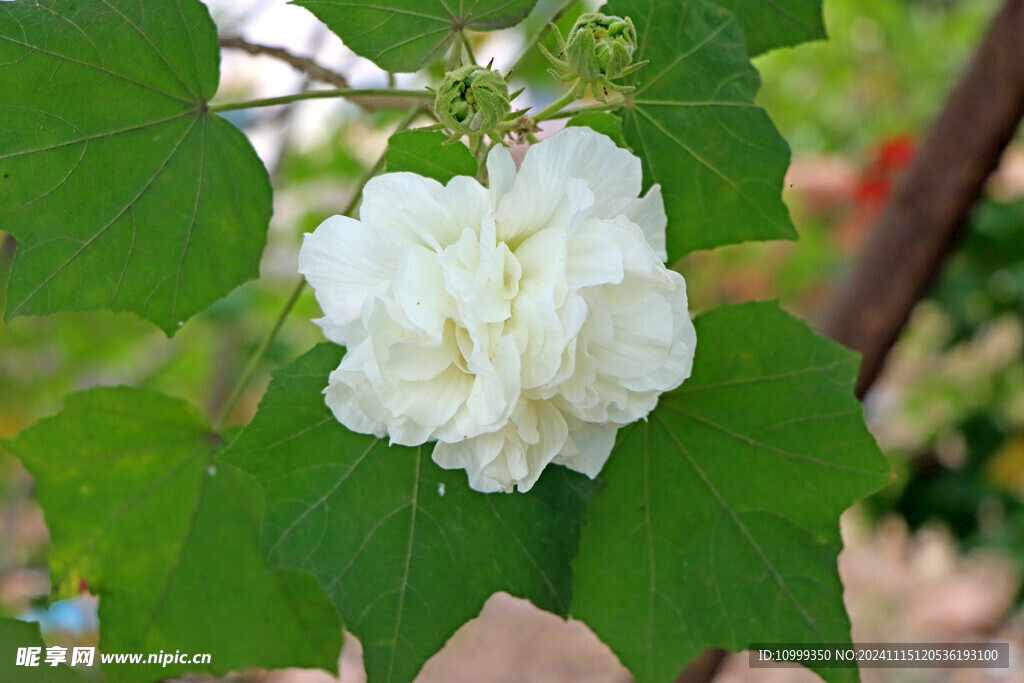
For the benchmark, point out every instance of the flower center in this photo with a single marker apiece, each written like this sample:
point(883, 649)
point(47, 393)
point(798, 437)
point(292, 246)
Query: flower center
point(482, 278)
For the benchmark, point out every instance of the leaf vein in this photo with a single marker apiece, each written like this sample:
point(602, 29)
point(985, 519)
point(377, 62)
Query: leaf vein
point(106, 227)
point(776, 575)
point(404, 588)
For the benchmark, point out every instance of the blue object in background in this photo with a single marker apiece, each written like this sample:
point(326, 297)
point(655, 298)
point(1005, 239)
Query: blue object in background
point(75, 615)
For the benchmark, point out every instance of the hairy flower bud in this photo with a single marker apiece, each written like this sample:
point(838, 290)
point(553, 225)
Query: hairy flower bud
point(472, 100)
point(600, 46)
point(599, 50)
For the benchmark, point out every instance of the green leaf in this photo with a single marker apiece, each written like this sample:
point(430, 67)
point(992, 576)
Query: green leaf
point(424, 152)
point(124, 192)
point(169, 537)
point(406, 35)
point(407, 551)
point(779, 23)
point(719, 523)
point(16, 634)
point(693, 121)
point(602, 122)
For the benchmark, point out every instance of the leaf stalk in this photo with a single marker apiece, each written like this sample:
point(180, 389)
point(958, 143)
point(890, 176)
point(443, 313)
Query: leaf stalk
point(323, 94)
point(261, 351)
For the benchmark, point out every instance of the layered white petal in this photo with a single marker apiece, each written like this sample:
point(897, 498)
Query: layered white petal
point(418, 289)
point(588, 446)
point(501, 174)
point(562, 176)
point(518, 325)
point(648, 213)
point(578, 152)
point(421, 209)
point(515, 456)
point(346, 261)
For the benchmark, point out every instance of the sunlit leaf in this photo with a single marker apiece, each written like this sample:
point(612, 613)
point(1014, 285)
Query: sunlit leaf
point(777, 23)
point(124, 192)
point(407, 551)
point(424, 152)
point(138, 507)
point(719, 522)
point(406, 35)
point(693, 121)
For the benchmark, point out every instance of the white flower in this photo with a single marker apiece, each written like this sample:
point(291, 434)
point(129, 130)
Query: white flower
point(517, 325)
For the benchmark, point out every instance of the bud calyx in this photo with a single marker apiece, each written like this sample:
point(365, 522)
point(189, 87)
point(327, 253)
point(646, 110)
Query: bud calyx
point(598, 51)
point(472, 100)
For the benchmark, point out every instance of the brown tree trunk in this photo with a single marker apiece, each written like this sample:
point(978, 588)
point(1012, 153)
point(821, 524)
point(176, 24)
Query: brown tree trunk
point(925, 215)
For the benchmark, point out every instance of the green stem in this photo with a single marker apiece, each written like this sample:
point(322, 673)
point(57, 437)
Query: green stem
point(566, 113)
point(469, 48)
point(320, 94)
point(406, 121)
point(552, 110)
point(254, 361)
point(481, 160)
point(600, 106)
point(261, 351)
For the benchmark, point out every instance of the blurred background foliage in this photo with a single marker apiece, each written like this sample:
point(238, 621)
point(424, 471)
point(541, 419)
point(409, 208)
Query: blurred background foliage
point(886, 66)
point(949, 408)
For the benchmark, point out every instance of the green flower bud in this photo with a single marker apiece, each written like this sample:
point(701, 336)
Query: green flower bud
point(600, 46)
point(472, 100)
point(599, 50)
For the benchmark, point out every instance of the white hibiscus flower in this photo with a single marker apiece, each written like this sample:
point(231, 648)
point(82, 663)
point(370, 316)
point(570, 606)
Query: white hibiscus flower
point(516, 325)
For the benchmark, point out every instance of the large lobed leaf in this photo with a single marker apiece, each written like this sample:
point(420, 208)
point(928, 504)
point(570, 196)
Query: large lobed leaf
point(123, 190)
point(718, 525)
point(692, 119)
point(406, 35)
point(407, 551)
point(169, 537)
